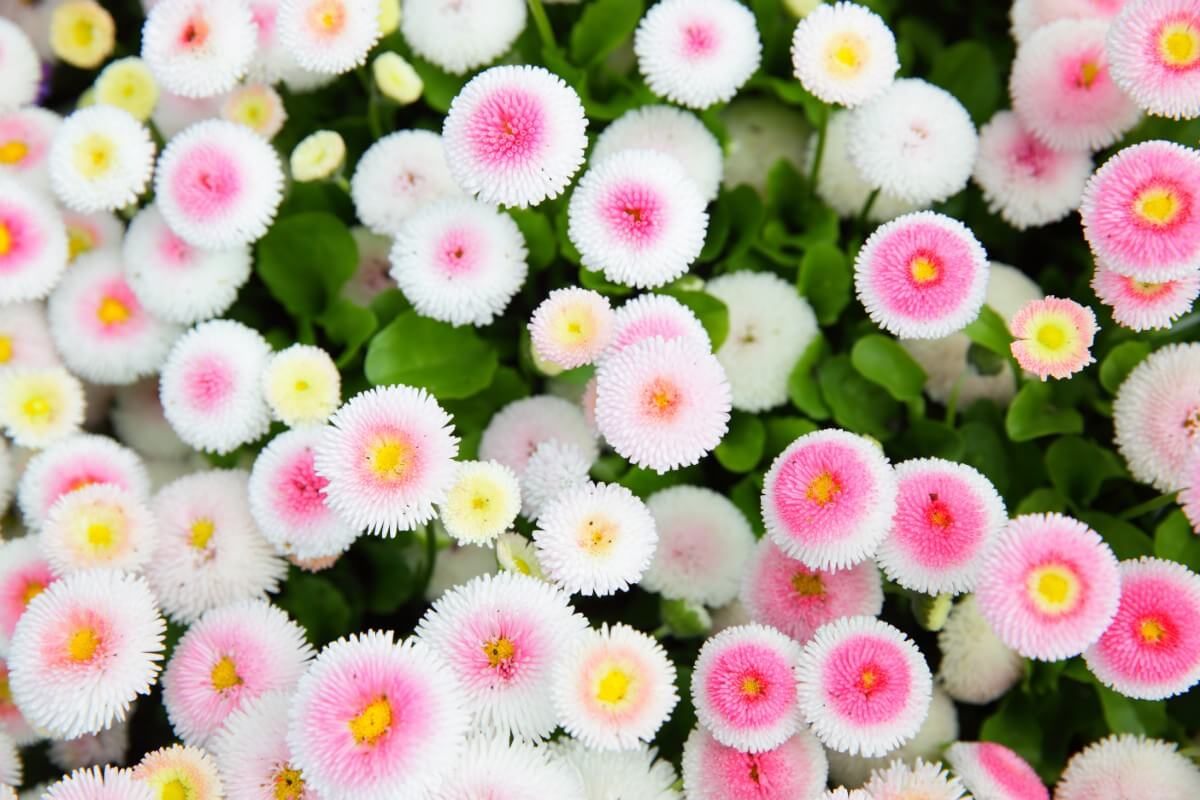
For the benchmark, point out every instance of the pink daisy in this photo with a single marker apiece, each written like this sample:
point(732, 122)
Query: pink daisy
point(112, 783)
point(1154, 52)
point(648, 315)
point(922, 276)
point(780, 591)
point(828, 499)
point(252, 752)
point(25, 339)
point(33, 243)
point(993, 772)
point(1152, 648)
point(864, 686)
point(1049, 586)
point(1156, 416)
point(228, 657)
point(388, 455)
point(663, 404)
point(1062, 90)
point(24, 574)
point(713, 771)
point(515, 135)
point(376, 719)
point(1145, 305)
point(25, 136)
point(516, 431)
point(199, 48)
point(1053, 337)
point(1141, 211)
point(571, 327)
point(946, 516)
point(744, 688)
point(1128, 767)
point(77, 461)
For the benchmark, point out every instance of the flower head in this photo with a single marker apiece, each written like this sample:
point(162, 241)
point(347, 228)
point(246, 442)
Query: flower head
point(494, 765)
point(993, 772)
point(922, 779)
point(1145, 305)
point(1053, 337)
point(625, 773)
point(33, 244)
point(840, 184)
point(179, 771)
point(21, 65)
point(252, 752)
point(93, 784)
point(329, 36)
point(554, 468)
point(515, 431)
point(24, 574)
point(1125, 765)
point(82, 33)
point(73, 463)
point(844, 53)
point(646, 316)
point(302, 385)
point(1153, 49)
point(399, 174)
point(256, 106)
point(976, 667)
point(671, 131)
point(481, 503)
point(571, 327)
point(40, 405)
point(317, 156)
point(199, 48)
point(462, 36)
point(1156, 416)
point(128, 84)
point(101, 525)
point(25, 137)
point(714, 771)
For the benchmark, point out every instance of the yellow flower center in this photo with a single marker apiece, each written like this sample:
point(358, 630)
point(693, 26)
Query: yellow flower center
point(13, 151)
point(372, 723)
point(1053, 588)
point(1152, 631)
point(6, 349)
point(36, 407)
point(498, 651)
point(82, 645)
point(522, 565)
point(1088, 72)
point(289, 785)
point(1051, 336)
point(6, 239)
point(808, 585)
point(32, 590)
point(868, 679)
point(95, 155)
point(112, 311)
point(923, 270)
point(846, 55)
point(390, 458)
point(100, 536)
point(663, 396)
point(823, 489)
point(613, 686)
point(224, 675)
point(79, 242)
point(752, 687)
point(1179, 45)
point(202, 532)
point(1146, 287)
point(173, 790)
point(82, 32)
point(5, 691)
point(327, 17)
point(598, 535)
point(1158, 206)
point(301, 386)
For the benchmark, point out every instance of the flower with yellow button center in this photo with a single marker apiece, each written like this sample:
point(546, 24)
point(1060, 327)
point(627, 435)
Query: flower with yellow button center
point(302, 385)
point(256, 106)
point(372, 723)
point(83, 643)
point(571, 327)
point(1158, 205)
point(482, 503)
point(1179, 44)
point(39, 406)
point(1053, 588)
point(515, 553)
point(843, 53)
point(1053, 337)
point(180, 773)
point(318, 156)
point(82, 33)
point(98, 525)
point(128, 84)
point(396, 78)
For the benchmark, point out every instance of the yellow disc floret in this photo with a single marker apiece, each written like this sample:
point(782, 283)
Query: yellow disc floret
point(482, 503)
point(129, 85)
point(82, 33)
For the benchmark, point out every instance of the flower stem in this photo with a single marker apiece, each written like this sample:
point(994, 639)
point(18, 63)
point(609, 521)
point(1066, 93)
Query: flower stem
point(822, 126)
point(1150, 505)
point(867, 206)
point(542, 23)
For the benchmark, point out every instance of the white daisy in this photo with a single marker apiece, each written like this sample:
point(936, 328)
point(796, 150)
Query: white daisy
point(199, 48)
point(671, 131)
point(100, 159)
point(844, 54)
point(399, 174)
point(329, 36)
point(462, 35)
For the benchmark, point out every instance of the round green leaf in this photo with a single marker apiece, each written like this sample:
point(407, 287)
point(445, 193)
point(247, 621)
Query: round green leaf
point(450, 362)
point(743, 444)
point(305, 260)
point(1033, 413)
point(882, 360)
point(825, 279)
point(1120, 361)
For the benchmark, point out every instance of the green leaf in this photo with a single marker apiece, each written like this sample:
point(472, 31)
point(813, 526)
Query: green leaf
point(1015, 725)
point(440, 86)
point(984, 360)
point(1126, 540)
point(602, 27)
point(825, 279)
point(595, 280)
point(450, 362)
point(1174, 539)
point(1042, 501)
point(1120, 361)
point(317, 604)
point(712, 313)
point(857, 404)
point(350, 325)
point(991, 331)
point(882, 360)
point(742, 447)
point(1123, 715)
point(968, 70)
point(305, 260)
point(685, 620)
point(782, 431)
point(746, 494)
point(539, 235)
point(803, 389)
point(984, 449)
point(746, 219)
point(720, 220)
point(1033, 414)
point(395, 566)
point(1077, 467)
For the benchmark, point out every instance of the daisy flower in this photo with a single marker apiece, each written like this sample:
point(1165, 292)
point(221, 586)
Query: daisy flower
point(1053, 337)
point(252, 752)
point(302, 385)
point(515, 431)
point(1128, 767)
point(714, 771)
point(128, 84)
point(461, 36)
point(112, 783)
point(25, 136)
point(21, 65)
point(1140, 212)
point(627, 773)
point(1153, 49)
point(670, 131)
point(227, 658)
point(697, 52)
point(1048, 586)
point(179, 771)
point(976, 667)
point(211, 386)
point(838, 181)
point(75, 462)
point(571, 327)
point(175, 281)
point(492, 765)
point(946, 516)
point(637, 217)
point(780, 591)
point(915, 142)
point(597, 539)
point(922, 276)
point(743, 687)
point(459, 261)
point(515, 553)
point(1029, 15)
point(656, 315)
point(1156, 415)
point(481, 503)
point(100, 159)
point(371, 277)
point(82, 33)
point(1145, 305)
point(554, 468)
point(1062, 90)
point(199, 48)
point(87, 233)
point(662, 404)
point(993, 772)
point(329, 36)
point(828, 499)
point(375, 719)
point(84, 649)
point(40, 405)
point(12, 722)
point(258, 107)
point(864, 687)
point(1024, 181)
point(318, 156)
point(922, 779)
point(101, 525)
point(501, 636)
point(397, 175)
point(209, 553)
point(704, 543)
point(613, 688)
point(515, 135)
point(844, 54)
point(24, 574)
point(103, 333)
point(33, 244)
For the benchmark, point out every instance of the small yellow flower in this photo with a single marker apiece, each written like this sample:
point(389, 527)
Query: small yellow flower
point(396, 78)
point(389, 16)
point(40, 406)
point(82, 33)
point(482, 502)
point(128, 84)
point(515, 553)
point(318, 156)
point(256, 106)
point(302, 385)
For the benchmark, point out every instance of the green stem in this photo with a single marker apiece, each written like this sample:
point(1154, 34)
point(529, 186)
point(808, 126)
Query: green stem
point(822, 126)
point(542, 23)
point(430, 557)
point(866, 209)
point(1150, 505)
point(306, 334)
point(373, 123)
point(952, 401)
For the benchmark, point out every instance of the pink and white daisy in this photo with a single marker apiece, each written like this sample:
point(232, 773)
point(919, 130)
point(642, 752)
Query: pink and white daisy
point(464, 35)
point(33, 244)
point(1048, 586)
point(252, 752)
point(21, 65)
point(947, 514)
point(459, 261)
point(25, 136)
point(780, 591)
point(921, 779)
point(1062, 90)
point(495, 766)
point(838, 181)
point(1145, 305)
point(1152, 648)
point(1128, 767)
point(1023, 180)
point(991, 771)
point(844, 54)
point(744, 690)
point(218, 185)
point(1029, 15)
point(180, 771)
point(101, 525)
point(228, 657)
point(12, 723)
point(829, 498)
point(1153, 48)
point(329, 36)
point(102, 331)
point(571, 327)
point(515, 431)
point(211, 386)
point(25, 336)
point(482, 502)
point(1053, 337)
point(399, 174)
point(388, 455)
point(84, 649)
point(112, 783)
point(210, 553)
point(697, 52)
point(1141, 211)
point(515, 135)
point(100, 159)
point(671, 131)
point(199, 48)
point(1156, 416)
point(501, 636)
point(554, 468)
point(922, 276)
point(663, 404)
point(714, 771)
point(638, 217)
point(864, 686)
point(646, 316)
point(614, 688)
point(24, 574)
point(72, 464)
point(375, 719)
point(288, 502)
point(623, 773)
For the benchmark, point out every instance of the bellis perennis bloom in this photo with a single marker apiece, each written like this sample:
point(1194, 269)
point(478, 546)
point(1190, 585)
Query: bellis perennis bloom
point(1153, 49)
point(461, 36)
point(329, 36)
point(1154, 416)
point(199, 48)
point(844, 53)
point(713, 771)
point(1053, 337)
point(571, 327)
